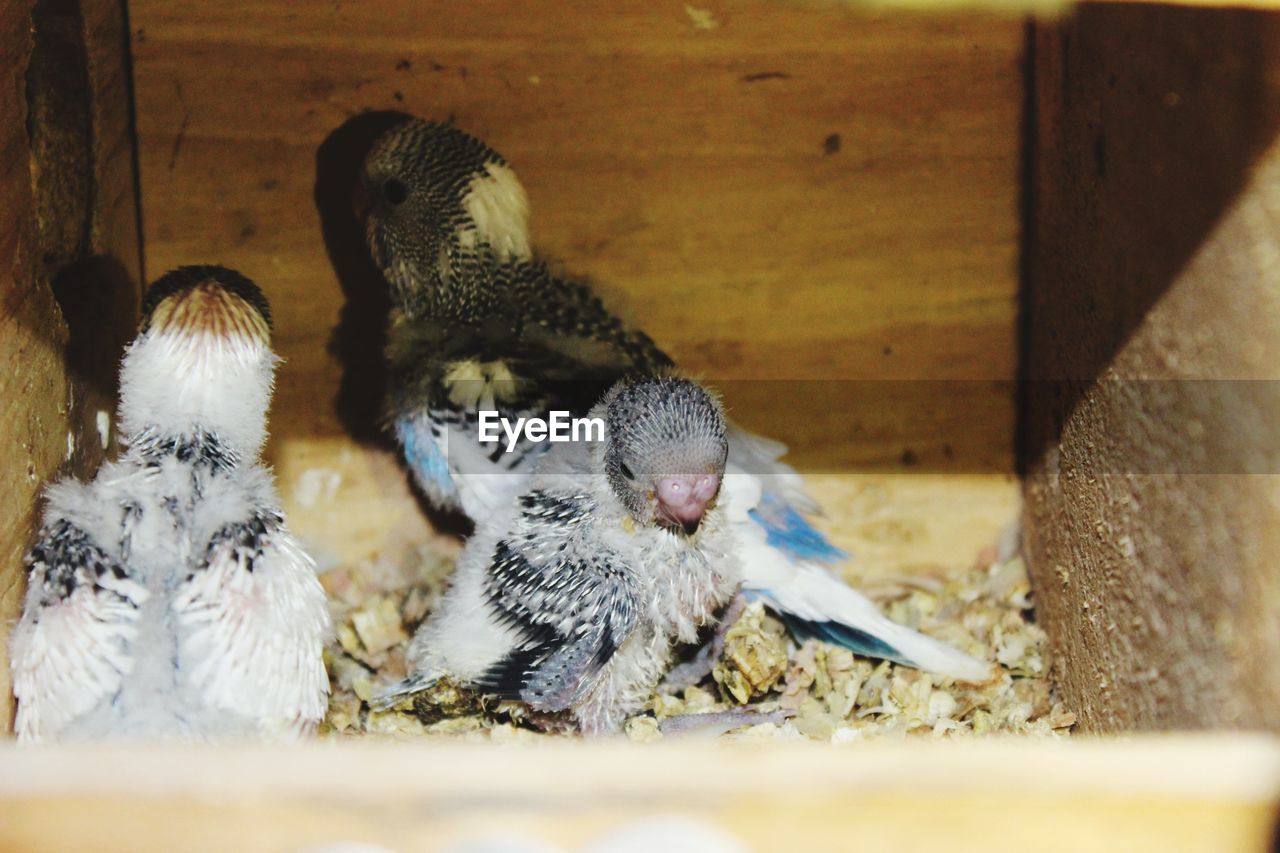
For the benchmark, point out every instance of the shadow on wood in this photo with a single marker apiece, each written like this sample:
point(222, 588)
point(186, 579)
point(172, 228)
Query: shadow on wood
point(1152, 293)
point(1149, 123)
point(99, 302)
point(360, 335)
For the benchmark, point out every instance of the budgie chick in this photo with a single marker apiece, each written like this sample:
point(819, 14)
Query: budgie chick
point(571, 597)
point(166, 598)
point(476, 323)
point(448, 225)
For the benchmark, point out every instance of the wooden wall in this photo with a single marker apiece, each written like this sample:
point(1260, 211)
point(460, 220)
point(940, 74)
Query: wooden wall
point(1154, 350)
point(69, 256)
point(775, 191)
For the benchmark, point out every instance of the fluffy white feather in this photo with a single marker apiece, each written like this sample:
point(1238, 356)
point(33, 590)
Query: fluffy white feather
point(499, 209)
point(166, 597)
point(250, 623)
point(174, 383)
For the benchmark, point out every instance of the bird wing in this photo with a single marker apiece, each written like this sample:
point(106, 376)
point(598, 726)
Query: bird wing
point(421, 437)
point(815, 603)
point(567, 319)
point(555, 347)
point(488, 477)
point(573, 613)
point(782, 556)
point(252, 620)
point(71, 649)
point(779, 502)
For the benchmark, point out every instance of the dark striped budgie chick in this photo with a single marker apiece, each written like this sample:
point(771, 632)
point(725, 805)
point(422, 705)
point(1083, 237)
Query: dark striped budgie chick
point(166, 597)
point(479, 323)
point(476, 322)
point(571, 598)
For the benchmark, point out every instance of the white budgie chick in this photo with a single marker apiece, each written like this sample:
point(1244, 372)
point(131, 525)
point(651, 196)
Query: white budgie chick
point(166, 598)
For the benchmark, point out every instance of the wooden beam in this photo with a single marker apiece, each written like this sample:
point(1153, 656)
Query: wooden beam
point(69, 257)
point(1210, 793)
point(1154, 346)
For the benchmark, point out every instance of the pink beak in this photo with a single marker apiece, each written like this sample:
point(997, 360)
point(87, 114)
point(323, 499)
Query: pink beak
point(682, 500)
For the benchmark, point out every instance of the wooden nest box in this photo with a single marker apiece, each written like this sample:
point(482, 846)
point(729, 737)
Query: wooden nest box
point(984, 255)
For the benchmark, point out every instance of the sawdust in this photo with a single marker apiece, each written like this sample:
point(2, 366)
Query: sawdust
point(831, 694)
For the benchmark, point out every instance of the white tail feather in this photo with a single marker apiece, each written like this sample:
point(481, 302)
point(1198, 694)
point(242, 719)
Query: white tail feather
point(810, 592)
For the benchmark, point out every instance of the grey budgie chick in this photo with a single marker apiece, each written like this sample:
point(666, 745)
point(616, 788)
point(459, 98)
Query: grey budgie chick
point(166, 598)
point(480, 323)
point(572, 597)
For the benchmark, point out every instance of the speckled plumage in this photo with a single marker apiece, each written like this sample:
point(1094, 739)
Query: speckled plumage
point(571, 599)
point(477, 322)
point(468, 292)
point(166, 598)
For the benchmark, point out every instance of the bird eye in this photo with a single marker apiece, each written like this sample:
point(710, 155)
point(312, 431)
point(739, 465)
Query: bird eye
point(626, 472)
point(394, 191)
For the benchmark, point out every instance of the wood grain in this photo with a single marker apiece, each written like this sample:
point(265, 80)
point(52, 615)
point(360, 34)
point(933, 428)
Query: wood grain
point(1148, 794)
point(69, 254)
point(684, 169)
point(1151, 447)
point(32, 381)
point(824, 194)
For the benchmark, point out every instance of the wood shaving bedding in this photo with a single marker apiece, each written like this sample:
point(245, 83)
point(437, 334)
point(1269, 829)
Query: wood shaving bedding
point(831, 694)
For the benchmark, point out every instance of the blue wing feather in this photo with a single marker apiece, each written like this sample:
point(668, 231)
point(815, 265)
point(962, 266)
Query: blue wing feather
point(837, 633)
point(871, 635)
point(856, 640)
point(789, 532)
point(425, 458)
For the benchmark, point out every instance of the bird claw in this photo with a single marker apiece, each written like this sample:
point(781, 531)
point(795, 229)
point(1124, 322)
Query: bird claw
point(693, 671)
point(389, 696)
point(703, 662)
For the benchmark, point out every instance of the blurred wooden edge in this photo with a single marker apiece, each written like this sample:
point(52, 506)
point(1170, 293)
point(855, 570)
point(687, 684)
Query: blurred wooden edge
point(1040, 8)
point(1178, 791)
point(1234, 766)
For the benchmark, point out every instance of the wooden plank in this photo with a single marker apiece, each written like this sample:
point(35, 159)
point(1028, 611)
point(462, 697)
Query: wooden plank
point(653, 165)
point(32, 383)
point(1154, 349)
point(1043, 9)
point(69, 254)
point(1167, 793)
point(684, 169)
point(899, 524)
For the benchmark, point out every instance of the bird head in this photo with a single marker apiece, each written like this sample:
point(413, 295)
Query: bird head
point(202, 361)
point(440, 208)
point(665, 450)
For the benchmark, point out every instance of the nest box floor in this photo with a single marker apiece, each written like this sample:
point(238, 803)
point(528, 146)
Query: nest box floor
point(938, 553)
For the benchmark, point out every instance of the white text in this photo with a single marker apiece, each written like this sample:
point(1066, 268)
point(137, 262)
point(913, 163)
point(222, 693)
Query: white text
point(558, 427)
